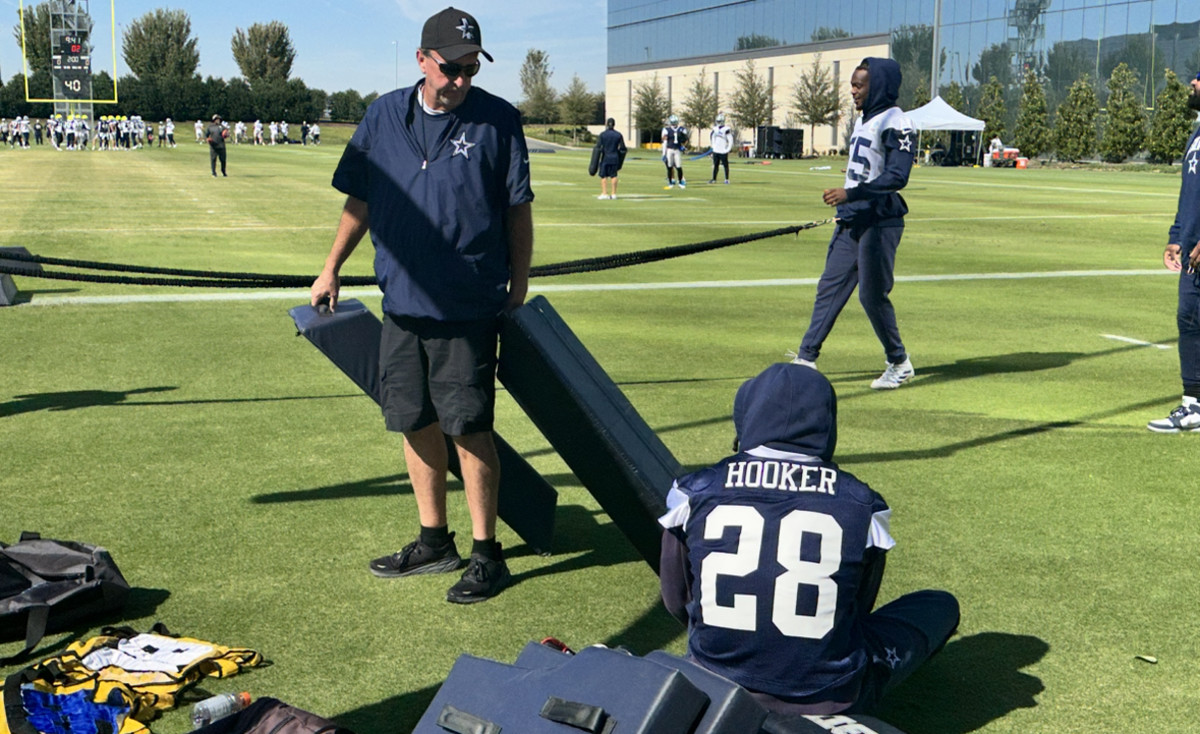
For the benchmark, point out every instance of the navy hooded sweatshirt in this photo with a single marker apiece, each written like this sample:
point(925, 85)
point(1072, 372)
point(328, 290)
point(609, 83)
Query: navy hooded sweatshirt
point(881, 153)
point(773, 556)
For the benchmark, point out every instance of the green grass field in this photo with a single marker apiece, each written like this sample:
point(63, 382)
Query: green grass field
point(242, 483)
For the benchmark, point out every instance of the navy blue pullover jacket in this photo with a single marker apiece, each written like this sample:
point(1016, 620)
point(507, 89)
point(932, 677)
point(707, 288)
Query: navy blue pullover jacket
point(881, 153)
point(1185, 232)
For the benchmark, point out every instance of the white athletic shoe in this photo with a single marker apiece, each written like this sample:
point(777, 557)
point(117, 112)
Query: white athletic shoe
point(894, 376)
point(1185, 418)
point(612, 197)
point(602, 197)
point(682, 184)
point(797, 359)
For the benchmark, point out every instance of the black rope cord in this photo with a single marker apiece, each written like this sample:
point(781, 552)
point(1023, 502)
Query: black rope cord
point(218, 279)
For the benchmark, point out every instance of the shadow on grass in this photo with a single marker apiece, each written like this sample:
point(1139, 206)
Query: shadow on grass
point(941, 452)
point(997, 364)
point(577, 531)
point(394, 484)
point(26, 295)
point(71, 400)
point(396, 714)
point(973, 681)
point(141, 603)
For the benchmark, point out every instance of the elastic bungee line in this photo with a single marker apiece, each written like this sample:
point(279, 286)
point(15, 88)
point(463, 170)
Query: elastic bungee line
point(217, 279)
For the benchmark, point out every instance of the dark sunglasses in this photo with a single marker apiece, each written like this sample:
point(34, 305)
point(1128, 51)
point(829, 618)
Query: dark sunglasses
point(453, 71)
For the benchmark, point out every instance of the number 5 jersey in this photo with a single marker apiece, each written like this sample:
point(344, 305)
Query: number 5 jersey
point(882, 147)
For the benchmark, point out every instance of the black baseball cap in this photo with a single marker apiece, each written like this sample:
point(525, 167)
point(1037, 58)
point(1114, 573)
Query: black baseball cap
point(453, 33)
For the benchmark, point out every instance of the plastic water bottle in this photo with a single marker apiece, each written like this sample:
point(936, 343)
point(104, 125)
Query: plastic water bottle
point(218, 707)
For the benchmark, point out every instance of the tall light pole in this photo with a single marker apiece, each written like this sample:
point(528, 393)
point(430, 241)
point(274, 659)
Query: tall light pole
point(937, 32)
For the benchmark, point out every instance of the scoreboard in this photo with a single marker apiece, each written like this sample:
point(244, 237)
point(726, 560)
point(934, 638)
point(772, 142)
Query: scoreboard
point(71, 64)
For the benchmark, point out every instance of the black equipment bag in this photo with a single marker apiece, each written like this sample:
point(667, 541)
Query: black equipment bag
point(588, 421)
point(598, 691)
point(594, 164)
point(48, 585)
point(350, 338)
point(272, 716)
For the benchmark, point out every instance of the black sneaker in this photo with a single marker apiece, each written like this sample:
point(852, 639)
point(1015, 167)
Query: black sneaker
point(416, 558)
point(483, 579)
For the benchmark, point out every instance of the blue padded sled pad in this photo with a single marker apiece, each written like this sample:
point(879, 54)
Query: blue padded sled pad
point(731, 708)
point(350, 337)
point(625, 694)
point(588, 421)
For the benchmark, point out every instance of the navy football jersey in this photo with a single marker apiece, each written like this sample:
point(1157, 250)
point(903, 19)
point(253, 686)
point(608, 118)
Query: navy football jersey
point(778, 545)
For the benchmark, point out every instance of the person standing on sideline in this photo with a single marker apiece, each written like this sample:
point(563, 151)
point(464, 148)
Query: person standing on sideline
point(304, 132)
point(721, 142)
point(1184, 242)
point(611, 148)
point(439, 174)
point(870, 221)
point(773, 558)
point(215, 135)
point(315, 132)
point(674, 142)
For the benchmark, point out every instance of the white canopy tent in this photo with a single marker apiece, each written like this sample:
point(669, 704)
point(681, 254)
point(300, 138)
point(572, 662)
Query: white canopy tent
point(938, 115)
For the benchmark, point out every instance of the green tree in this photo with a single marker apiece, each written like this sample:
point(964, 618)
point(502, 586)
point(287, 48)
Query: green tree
point(920, 95)
point(700, 107)
point(264, 52)
point(1171, 124)
point(995, 62)
point(912, 48)
point(239, 100)
point(992, 109)
point(826, 33)
point(1125, 123)
point(160, 44)
point(539, 104)
point(816, 99)
point(954, 97)
point(1142, 55)
point(346, 106)
point(755, 40)
point(1032, 133)
point(1065, 63)
point(576, 106)
point(1075, 123)
point(37, 37)
point(650, 106)
point(751, 104)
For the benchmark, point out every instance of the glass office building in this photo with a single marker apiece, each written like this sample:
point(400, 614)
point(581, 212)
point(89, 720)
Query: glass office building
point(1060, 39)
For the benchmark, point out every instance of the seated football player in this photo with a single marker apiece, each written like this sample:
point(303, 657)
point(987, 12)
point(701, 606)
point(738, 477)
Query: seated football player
point(773, 558)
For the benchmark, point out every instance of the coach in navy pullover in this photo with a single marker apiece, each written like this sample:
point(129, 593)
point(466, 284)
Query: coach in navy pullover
point(773, 558)
point(439, 174)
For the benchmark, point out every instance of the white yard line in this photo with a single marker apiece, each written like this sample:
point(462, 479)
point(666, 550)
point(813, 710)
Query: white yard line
point(1139, 342)
point(301, 295)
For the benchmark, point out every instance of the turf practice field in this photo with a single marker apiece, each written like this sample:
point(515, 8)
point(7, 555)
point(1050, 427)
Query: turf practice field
point(242, 483)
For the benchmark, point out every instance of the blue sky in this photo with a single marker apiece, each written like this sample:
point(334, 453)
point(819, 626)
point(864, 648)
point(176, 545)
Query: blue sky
point(351, 44)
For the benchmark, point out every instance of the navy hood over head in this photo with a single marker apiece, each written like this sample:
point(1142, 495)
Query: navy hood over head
point(788, 407)
point(884, 79)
